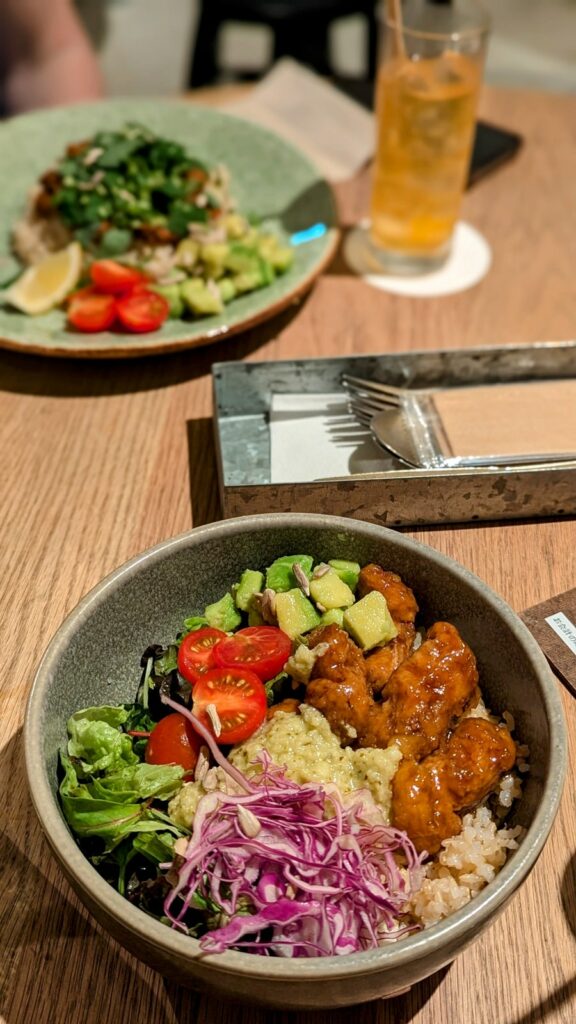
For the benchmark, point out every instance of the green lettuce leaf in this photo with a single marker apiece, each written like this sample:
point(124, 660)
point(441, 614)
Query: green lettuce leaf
point(98, 809)
point(96, 740)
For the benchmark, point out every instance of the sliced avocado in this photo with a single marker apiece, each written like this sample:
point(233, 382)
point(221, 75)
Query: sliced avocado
point(335, 616)
point(199, 299)
point(347, 571)
point(251, 582)
point(280, 576)
point(329, 590)
point(369, 621)
point(295, 613)
point(171, 293)
point(223, 614)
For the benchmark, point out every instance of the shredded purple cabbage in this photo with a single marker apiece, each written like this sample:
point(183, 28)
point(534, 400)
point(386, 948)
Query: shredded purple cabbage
point(294, 869)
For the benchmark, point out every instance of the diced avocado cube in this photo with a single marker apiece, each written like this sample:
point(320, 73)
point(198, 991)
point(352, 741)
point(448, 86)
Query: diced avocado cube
point(214, 256)
point(241, 259)
point(266, 245)
point(171, 293)
point(187, 252)
point(266, 271)
point(329, 590)
point(280, 575)
point(249, 281)
point(369, 622)
point(223, 614)
point(295, 613)
point(227, 289)
point(347, 571)
point(251, 582)
point(335, 616)
point(254, 617)
point(236, 226)
point(282, 259)
point(201, 301)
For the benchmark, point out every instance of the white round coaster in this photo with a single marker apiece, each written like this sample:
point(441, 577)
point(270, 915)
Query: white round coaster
point(469, 261)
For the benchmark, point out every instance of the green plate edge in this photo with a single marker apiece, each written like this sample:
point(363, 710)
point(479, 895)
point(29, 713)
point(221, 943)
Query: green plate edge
point(269, 178)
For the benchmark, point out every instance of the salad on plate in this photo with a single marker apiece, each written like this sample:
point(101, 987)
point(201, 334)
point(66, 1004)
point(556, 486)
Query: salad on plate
point(128, 229)
point(304, 771)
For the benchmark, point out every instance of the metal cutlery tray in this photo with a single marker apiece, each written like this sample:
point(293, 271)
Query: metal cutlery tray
point(396, 495)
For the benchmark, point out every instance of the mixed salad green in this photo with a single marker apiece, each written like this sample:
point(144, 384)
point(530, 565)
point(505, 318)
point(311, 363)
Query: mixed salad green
point(269, 865)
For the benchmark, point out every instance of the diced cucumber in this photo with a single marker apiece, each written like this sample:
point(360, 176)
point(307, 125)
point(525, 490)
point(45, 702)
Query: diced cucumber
point(330, 591)
point(171, 293)
point(280, 576)
point(223, 614)
point(199, 299)
point(369, 621)
point(251, 582)
point(295, 613)
point(347, 571)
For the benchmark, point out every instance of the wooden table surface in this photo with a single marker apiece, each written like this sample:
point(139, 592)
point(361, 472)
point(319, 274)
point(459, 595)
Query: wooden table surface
point(101, 460)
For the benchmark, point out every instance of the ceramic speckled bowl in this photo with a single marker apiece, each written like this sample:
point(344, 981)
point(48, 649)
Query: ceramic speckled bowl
point(146, 600)
point(269, 179)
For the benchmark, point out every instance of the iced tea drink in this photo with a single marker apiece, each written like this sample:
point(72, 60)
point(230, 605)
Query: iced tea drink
point(425, 106)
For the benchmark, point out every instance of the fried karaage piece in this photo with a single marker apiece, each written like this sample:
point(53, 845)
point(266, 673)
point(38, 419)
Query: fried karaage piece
point(403, 608)
point(426, 796)
point(338, 686)
point(427, 693)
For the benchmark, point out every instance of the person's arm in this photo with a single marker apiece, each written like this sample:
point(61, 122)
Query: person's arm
point(45, 56)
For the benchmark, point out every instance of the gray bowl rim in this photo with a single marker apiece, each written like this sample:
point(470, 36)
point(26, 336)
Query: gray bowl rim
point(457, 927)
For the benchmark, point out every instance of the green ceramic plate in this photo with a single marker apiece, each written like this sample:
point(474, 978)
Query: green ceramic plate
point(269, 178)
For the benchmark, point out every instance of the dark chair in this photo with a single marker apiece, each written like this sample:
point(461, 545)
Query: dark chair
point(300, 29)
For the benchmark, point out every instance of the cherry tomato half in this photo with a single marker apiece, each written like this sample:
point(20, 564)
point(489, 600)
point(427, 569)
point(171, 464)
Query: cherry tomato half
point(196, 653)
point(114, 278)
point(261, 649)
point(173, 741)
point(92, 312)
point(142, 310)
point(239, 698)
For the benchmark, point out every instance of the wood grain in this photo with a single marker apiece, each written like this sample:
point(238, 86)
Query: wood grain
point(100, 461)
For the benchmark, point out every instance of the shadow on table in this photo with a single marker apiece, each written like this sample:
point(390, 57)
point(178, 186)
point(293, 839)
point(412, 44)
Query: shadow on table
point(203, 474)
point(42, 926)
point(190, 1006)
point(79, 378)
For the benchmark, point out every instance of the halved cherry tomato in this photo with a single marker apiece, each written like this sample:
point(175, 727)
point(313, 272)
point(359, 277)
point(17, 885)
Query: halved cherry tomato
point(114, 278)
point(239, 698)
point(173, 741)
point(196, 653)
point(92, 312)
point(142, 310)
point(261, 649)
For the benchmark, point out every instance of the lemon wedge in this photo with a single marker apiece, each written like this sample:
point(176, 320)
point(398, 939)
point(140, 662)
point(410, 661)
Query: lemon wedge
point(47, 283)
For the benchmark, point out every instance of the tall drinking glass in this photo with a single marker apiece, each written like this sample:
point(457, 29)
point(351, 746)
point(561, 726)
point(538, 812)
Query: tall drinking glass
point(427, 90)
